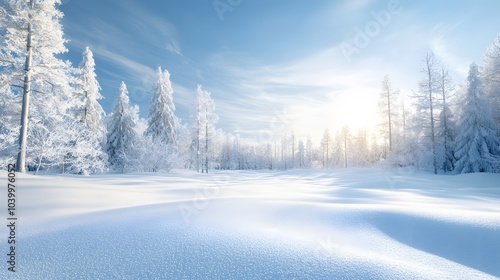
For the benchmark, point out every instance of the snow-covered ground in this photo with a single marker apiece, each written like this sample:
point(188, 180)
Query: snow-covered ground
point(302, 224)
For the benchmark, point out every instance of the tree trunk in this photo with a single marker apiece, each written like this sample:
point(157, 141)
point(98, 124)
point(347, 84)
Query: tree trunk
point(198, 148)
point(445, 123)
point(38, 164)
point(433, 139)
point(23, 134)
point(389, 116)
point(345, 149)
point(206, 147)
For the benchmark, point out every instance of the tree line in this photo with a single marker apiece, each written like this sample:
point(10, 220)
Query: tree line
point(51, 119)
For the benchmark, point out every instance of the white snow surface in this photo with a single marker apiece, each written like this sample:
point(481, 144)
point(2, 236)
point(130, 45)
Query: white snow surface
point(301, 224)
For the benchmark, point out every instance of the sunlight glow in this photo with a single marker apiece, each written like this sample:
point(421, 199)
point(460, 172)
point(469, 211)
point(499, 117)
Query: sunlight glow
point(356, 110)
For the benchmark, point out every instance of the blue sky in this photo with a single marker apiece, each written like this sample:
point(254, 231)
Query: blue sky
point(276, 66)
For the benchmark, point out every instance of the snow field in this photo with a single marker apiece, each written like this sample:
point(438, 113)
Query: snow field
point(307, 224)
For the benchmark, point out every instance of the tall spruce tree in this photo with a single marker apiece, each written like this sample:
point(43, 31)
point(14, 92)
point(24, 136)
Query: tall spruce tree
point(88, 87)
point(162, 123)
point(122, 135)
point(478, 147)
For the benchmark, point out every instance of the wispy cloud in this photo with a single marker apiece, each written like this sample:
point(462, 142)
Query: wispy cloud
point(444, 51)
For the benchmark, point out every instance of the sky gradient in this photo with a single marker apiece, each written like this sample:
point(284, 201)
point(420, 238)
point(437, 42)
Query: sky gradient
point(274, 67)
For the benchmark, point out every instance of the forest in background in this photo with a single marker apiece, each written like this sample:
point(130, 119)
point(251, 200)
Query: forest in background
point(51, 120)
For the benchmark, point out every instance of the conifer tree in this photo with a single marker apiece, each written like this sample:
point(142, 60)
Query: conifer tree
point(491, 78)
point(92, 113)
point(162, 123)
point(478, 147)
point(122, 136)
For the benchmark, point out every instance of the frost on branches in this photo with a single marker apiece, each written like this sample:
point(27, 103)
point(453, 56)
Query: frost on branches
point(48, 79)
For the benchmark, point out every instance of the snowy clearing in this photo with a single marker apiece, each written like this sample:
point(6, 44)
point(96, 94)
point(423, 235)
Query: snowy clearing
point(303, 224)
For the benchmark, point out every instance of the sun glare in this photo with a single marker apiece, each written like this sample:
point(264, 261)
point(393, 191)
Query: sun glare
point(356, 111)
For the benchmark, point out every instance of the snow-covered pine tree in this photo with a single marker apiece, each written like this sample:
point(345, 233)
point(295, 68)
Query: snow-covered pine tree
point(85, 134)
point(92, 113)
point(478, 147)
point(122, 135)
point(32, 37)
point(162, 123)
point(491, 78)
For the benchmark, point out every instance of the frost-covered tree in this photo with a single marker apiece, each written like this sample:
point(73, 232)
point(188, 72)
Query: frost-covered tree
point(210, 119)
point(360, 150)
point(301, 154)
point(309, 152)
point(66, 148)
point(183, 148)
point(478, 146)
point(285, 149)
point(325, 147)
point(81, 136)
point(196, 127)
point(9, 123)
point(203, 129)
point(292, 149)
point(388, 99)
point(88, 87)
point(446, 124)
point(122, 134)
point(346, 134)
point(32, 38)
point(425, 103)
point(162, 123)
point(491, 77)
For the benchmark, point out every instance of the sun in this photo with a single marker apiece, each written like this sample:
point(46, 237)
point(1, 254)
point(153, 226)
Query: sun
point(356, 110)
